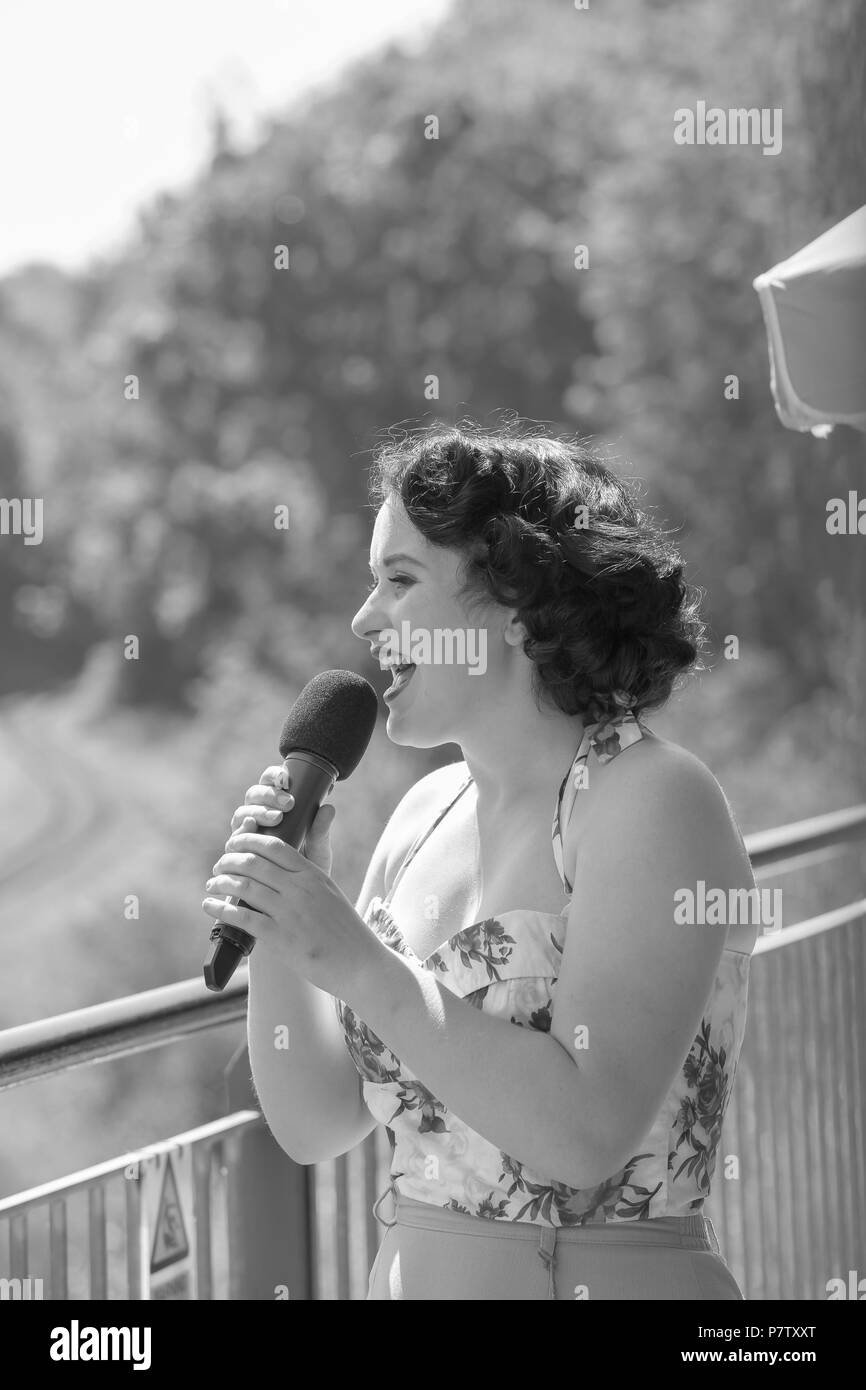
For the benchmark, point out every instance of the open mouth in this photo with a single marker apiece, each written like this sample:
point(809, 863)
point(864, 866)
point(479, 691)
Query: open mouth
point(402, 676)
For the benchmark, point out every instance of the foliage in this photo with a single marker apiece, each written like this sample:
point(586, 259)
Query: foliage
point(409, 256)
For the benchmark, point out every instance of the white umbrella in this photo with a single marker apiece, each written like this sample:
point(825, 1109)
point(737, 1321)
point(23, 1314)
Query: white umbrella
point(814, 307)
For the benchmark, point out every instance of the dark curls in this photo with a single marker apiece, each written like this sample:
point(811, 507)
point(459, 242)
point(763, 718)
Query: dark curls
point(546, 528)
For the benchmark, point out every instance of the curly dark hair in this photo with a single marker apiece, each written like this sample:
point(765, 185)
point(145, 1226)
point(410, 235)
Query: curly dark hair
point(546, 528)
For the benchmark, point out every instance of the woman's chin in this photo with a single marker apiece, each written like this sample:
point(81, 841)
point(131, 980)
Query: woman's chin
point(401, 729)
point(407, 727)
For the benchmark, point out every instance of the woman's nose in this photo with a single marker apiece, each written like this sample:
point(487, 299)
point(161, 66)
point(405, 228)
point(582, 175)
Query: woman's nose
point(364, 623)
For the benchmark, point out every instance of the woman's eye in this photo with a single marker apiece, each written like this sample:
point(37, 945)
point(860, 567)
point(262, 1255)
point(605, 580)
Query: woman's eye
point(397, 579)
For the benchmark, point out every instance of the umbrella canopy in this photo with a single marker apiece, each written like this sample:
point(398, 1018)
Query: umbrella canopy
point(814, 307)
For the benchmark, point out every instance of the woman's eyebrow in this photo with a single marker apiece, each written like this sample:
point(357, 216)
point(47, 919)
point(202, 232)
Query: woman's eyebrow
point(407, 559)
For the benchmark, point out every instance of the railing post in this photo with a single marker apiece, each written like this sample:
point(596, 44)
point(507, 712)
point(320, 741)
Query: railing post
point(270, 1205)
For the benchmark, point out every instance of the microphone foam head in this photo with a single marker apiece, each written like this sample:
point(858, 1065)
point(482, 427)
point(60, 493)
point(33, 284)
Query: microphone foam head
point(334, 716)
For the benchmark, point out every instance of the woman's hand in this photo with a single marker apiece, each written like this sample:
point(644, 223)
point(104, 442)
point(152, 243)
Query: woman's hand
point(300, 913)
point(265, 803)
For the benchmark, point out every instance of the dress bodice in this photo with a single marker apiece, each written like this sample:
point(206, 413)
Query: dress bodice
point(508, 966)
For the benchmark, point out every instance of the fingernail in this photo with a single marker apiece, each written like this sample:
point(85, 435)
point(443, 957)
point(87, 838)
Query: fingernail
point(209, 883)
point(285, 798)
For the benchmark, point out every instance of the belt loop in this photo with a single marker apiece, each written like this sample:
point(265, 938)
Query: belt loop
point(547, 1254)
point(377, 1203)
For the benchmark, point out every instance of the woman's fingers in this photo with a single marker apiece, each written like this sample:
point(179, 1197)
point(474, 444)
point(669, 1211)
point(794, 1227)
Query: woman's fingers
point(317, 845)
point(266, 801)
point(252, 868)
point(241, 864)
point(251, 816)
point(277, 775)
point(263, 794)
point(267, 846)
point(320, 829)
point(250, 921)
point(255, 894)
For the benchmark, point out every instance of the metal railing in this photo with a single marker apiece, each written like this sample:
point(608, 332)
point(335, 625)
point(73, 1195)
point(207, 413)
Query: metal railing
point(788, 1197)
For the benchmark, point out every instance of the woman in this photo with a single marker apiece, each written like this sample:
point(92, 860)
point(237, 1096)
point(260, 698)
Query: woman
point(525, 995)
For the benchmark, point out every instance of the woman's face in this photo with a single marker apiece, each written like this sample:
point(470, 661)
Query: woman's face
point(459, 664)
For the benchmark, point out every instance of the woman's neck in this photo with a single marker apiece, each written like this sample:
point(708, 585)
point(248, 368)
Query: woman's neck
point(510, 759)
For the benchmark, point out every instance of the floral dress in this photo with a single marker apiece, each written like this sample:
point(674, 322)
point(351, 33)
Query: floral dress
point(508, 966)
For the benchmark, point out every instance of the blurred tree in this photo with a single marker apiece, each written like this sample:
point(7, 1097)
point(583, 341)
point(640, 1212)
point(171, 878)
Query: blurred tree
point(453, 258)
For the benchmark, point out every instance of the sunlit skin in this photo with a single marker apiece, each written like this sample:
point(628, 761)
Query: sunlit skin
point(632, 978)
point(508, 743)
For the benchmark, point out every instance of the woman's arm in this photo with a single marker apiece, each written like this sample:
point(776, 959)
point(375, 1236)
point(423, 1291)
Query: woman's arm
point(633, 979)
point(310, 1091)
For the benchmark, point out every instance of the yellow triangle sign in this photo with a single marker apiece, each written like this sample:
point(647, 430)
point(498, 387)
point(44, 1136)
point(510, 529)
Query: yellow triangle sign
point(170, 1240)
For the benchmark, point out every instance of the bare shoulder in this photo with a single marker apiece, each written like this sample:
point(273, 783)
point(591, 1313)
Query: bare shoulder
point(655, 760)
point(668, 808)
point(654, 777)
point(416, 810)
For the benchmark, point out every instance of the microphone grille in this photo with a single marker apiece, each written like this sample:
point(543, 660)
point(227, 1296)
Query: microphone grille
point(334, 716)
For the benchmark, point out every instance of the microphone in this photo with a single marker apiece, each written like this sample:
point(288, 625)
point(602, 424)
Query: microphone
point(324, 738)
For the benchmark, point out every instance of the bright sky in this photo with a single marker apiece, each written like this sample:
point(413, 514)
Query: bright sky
point(103, 104)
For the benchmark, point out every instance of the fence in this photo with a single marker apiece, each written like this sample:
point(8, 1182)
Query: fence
point(788, 1196)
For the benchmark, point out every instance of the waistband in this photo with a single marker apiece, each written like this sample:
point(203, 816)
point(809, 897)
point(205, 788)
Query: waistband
point(692, 1232)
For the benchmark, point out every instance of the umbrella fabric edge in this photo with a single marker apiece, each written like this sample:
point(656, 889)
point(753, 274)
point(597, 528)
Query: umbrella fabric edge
point(793, 412)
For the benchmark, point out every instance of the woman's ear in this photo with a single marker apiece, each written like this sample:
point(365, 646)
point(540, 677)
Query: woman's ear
point(514, 631)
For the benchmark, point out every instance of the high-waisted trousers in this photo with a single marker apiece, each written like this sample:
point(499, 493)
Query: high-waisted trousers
point(429, 1252)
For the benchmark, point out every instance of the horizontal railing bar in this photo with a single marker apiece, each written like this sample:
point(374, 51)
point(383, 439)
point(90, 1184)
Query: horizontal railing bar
point(774, 868)
point(86, 1177)
point(117, 1028)
point(769, 846)
point(153, 1018)
point(159, 1016)
point(814, 926)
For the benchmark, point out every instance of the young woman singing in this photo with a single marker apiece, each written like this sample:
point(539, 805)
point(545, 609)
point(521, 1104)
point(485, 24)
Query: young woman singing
point(525, 994)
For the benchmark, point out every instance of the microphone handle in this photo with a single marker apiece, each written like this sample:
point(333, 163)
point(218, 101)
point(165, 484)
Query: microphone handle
point(312, 778)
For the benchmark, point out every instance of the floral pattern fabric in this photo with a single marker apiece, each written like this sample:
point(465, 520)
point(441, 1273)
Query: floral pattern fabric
point(508, 966)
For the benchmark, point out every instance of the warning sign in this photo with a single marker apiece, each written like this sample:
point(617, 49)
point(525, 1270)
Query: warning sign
point(167, 1225)
point(169, 1242)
